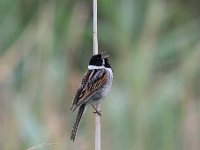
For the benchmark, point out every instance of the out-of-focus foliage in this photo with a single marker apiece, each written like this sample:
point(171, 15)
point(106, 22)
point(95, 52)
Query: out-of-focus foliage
point(154, 48)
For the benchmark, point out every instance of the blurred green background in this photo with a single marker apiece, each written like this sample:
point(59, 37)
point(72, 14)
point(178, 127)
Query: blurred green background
point(154, 48)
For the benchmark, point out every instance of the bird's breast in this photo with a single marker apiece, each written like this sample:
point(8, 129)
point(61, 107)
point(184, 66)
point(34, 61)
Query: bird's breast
point(107, 86)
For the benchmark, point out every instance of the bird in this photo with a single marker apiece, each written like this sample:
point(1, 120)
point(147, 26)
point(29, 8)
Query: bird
point(95, 85)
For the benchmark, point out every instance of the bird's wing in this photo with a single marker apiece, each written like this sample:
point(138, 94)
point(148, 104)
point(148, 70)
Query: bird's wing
point(92, 81)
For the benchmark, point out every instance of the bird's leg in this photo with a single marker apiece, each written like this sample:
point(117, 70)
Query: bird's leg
point(96, 111)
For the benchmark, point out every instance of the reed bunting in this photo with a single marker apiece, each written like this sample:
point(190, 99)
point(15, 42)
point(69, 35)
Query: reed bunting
point(95, 85)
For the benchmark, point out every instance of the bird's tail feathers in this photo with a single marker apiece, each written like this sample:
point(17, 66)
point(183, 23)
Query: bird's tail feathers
point(76, 123)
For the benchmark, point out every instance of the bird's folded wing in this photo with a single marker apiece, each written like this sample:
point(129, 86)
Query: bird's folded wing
point(92, 81)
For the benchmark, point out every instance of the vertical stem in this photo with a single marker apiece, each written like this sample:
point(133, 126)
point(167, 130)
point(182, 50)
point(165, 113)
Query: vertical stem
point(95, 38)
point(98, 130)
point(95, 51)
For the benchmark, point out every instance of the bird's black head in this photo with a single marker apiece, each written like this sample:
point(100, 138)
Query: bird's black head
point(96, 60)
point(106, 64)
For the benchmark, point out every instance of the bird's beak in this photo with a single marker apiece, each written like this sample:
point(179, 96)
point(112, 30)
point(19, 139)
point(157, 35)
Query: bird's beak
point(105, 56)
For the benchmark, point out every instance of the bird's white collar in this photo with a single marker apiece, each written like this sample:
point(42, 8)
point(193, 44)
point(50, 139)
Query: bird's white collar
point(91, 67)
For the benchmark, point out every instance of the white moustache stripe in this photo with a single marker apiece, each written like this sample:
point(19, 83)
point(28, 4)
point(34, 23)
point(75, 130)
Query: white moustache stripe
point(90, 67)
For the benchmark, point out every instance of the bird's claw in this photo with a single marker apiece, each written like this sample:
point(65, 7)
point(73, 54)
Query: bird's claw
point(97, 112)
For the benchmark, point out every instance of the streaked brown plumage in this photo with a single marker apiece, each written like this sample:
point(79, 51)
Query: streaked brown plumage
point(97, 78)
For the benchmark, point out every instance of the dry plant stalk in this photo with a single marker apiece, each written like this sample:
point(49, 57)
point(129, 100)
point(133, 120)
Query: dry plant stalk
point(95, 51)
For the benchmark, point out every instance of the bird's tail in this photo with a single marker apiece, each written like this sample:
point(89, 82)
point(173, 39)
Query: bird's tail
point(76, 123)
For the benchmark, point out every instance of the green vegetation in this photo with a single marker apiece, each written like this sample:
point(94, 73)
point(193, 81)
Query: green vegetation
point(154, 48)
